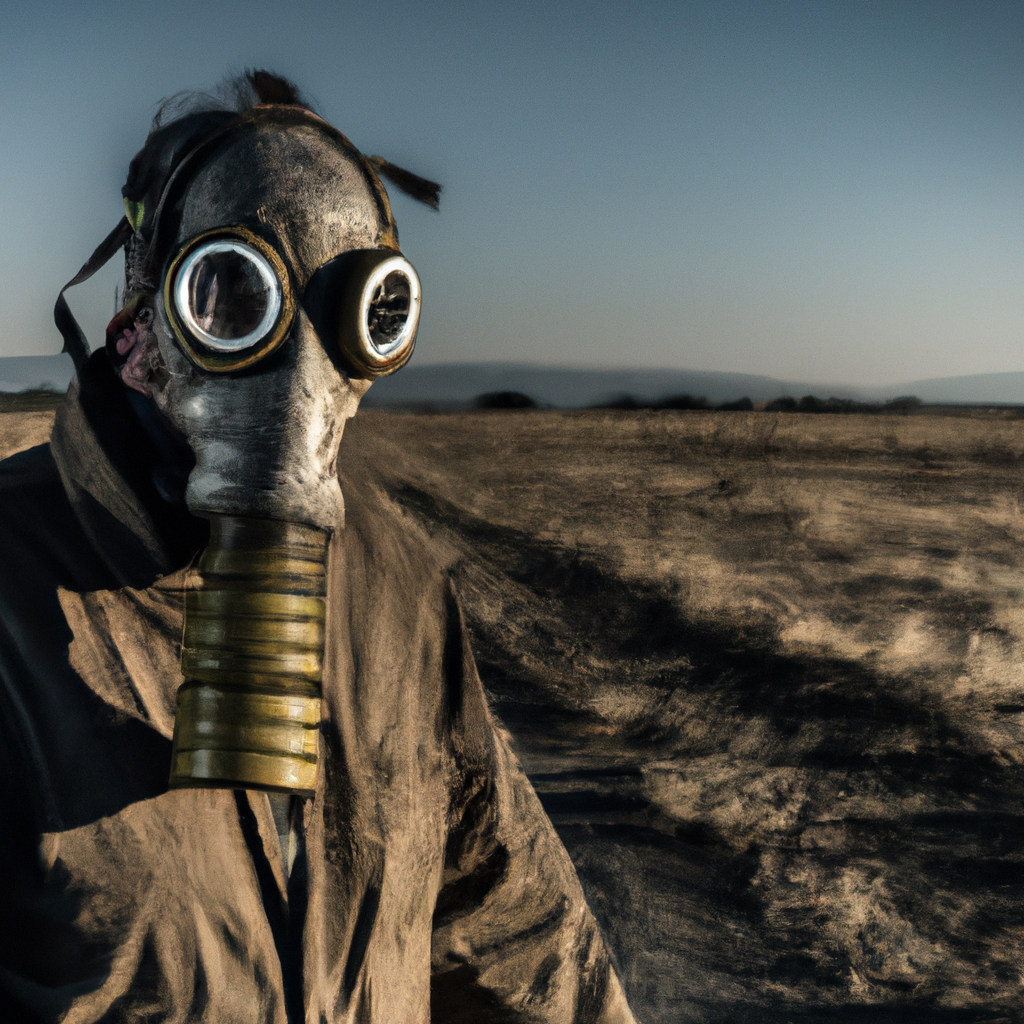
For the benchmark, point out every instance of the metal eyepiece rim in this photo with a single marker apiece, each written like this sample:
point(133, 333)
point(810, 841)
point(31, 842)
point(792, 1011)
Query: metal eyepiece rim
point(369, 357)
point(266, 271)
point(192, 339)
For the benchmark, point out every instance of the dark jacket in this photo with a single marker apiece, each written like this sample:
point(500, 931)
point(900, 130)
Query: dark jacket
point(429, 884)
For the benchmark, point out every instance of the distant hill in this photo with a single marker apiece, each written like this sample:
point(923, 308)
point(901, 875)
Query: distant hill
point(33, 373)
point(457, 384)
point(567, 387)
point(977, 389)
point(570, 387)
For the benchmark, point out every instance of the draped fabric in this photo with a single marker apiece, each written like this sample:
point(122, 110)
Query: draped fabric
point(427, 884)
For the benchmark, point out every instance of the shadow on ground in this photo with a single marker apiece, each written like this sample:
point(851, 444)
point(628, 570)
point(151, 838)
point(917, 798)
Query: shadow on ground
point(764, 672)
point(767, 831)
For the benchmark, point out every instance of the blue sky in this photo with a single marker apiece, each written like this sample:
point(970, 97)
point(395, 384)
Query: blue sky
point(817, 191)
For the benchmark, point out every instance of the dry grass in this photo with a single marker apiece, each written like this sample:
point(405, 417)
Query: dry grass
point(19, 430)
point(30, 401)
point(765, 670)
point(765, 673)
point(892, 540)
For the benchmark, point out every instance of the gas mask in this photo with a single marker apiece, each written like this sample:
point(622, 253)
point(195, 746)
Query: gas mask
point(263, 263)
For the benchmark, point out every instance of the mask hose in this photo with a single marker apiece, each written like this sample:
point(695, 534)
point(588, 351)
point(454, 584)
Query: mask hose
point(252, 657)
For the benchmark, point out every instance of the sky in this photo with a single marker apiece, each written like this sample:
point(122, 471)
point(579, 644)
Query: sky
point(811, 190)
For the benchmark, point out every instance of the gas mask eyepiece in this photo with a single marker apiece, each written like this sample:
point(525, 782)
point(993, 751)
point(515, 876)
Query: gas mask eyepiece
point(380, 313)
point(365, 306)
point(228, 296)
point(229, 299)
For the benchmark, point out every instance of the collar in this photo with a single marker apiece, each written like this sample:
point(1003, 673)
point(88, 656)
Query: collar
point(124, 468)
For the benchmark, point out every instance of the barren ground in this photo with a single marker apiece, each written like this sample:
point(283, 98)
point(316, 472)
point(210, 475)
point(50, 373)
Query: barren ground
point(764, 670)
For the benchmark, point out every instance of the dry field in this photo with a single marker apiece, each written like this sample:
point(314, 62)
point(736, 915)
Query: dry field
point(764, 670)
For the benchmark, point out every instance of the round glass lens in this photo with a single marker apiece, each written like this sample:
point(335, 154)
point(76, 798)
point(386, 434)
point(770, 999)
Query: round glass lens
point(228, 295)
point(388, 312)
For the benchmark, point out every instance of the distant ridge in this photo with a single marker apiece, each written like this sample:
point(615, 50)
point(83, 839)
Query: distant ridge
point(977, 389)
point(458, 384)
point(569, 387)
point(35, 373)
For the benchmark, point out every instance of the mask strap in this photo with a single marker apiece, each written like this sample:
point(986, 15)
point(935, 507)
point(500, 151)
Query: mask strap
point(75, 343)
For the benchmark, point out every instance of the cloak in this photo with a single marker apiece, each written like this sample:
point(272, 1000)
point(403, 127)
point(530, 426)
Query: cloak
point(423, 882)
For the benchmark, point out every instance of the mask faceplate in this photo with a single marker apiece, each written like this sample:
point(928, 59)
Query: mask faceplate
point(230, 301)
point(266, 291)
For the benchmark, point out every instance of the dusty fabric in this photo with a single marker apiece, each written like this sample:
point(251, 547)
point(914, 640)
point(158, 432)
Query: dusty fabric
point(428, 885)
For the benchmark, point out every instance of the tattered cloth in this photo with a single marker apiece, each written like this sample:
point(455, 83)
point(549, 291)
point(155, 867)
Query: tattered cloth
point(429, 883)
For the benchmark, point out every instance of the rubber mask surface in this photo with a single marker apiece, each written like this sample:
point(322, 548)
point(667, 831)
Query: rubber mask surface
point(265, 432)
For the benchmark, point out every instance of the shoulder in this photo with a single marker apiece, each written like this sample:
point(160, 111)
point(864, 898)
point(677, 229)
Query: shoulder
point(32, 497)
point(41, 537)
point(391, 571)
point(28, 469)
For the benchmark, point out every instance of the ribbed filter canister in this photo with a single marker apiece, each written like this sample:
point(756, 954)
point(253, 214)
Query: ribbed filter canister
point(252, 657)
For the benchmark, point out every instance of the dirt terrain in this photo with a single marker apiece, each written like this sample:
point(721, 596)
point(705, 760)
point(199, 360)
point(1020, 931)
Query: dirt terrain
point(764, 670)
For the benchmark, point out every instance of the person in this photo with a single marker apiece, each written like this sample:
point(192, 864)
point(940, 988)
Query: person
point(263, 786)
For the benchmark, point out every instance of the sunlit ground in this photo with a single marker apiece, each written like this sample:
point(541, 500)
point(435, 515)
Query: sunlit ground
point(764, 670)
